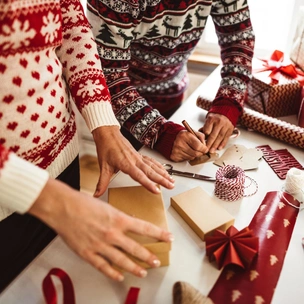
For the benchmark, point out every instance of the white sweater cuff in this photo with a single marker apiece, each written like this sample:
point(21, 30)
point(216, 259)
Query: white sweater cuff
point(20, 184)
point(98, 115)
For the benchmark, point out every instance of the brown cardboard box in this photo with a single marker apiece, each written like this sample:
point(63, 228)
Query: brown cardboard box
point(201, 212)
point(141, 203)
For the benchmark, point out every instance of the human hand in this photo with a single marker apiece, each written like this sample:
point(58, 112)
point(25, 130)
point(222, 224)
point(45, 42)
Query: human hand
point(187, 146)
point(95, 230)
point(116, 153)
point(217, 128)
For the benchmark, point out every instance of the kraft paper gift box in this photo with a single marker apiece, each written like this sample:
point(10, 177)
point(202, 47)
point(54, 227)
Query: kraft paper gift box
point(273, 98)
point(138, 202)
point(201, 212)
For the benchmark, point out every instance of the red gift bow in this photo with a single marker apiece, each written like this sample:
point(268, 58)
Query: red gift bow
point(233, 247)
point(274, 64)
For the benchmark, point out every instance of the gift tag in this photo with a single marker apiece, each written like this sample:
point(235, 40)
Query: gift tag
point(240, 156)
point(279, 160)
point(204, 159)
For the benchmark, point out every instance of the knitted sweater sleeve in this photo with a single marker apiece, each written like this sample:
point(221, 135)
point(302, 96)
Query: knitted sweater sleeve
point(132, 110)
point(82, 68)
point(20, 182)
point(236, 40)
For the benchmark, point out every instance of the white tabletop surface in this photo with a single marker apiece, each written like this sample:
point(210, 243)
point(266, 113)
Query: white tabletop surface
point(188, 256)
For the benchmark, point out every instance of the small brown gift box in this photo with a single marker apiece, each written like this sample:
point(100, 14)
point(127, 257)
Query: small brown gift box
point(138, 202)
point(201, 212)
point(273, 98)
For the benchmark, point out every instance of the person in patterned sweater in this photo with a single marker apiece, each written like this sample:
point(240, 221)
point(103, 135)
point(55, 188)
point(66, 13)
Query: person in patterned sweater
point(48, 59)
point(144, 47)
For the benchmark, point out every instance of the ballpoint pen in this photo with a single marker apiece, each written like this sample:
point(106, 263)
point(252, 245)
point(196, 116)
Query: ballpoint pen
point(189, 129)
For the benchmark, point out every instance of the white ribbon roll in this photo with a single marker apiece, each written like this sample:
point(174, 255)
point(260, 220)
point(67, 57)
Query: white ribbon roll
point(294, 184)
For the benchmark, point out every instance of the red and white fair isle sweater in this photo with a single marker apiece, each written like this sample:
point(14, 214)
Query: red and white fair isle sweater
point(48, 59)
point(144, 47)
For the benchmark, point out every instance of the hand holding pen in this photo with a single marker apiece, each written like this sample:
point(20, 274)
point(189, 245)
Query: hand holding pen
point(187, 147)
point(189, 129)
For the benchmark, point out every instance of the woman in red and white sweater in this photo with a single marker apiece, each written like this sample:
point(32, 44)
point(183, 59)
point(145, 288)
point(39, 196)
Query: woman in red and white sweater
point(144, 47)
point(48, 59)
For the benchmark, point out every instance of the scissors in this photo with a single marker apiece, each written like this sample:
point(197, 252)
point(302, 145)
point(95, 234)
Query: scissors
point(171, 171)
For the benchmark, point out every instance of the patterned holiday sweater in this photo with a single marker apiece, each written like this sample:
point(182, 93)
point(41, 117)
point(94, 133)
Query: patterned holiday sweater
point(46, 63)
point(144, 46)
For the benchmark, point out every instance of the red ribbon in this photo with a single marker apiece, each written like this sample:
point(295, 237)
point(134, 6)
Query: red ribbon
point(49, 290)
point(233, 247)
point(275, 65)
point(132, 295)
point(50, 295)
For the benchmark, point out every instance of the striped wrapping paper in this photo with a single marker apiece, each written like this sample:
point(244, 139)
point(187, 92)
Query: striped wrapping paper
point(265, 124)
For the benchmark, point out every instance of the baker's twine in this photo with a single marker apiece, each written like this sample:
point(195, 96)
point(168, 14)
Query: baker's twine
point(230, 183)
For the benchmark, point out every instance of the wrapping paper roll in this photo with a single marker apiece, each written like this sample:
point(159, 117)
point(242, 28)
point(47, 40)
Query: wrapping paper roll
point(265, 124)
point(184, 293)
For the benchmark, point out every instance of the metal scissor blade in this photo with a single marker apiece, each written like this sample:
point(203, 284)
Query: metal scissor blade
point(192, 175)
point(204, 177)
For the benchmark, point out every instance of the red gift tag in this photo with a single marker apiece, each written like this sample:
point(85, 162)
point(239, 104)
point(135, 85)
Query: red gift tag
point(279, 160)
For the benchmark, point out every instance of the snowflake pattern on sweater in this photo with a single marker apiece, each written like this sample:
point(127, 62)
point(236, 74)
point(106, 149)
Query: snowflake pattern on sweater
point(144, 47)
point(38, 45)
point(48, 60)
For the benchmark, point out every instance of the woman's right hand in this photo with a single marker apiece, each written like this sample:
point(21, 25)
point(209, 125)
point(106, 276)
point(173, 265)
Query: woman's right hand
point(95, 230)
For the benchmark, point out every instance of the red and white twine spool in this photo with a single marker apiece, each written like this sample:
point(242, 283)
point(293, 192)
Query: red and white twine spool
point(230, 183)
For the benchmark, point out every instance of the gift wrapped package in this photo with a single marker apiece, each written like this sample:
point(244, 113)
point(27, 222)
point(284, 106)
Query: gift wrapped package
point(138, 202)
point(274, 89)
point(201, 212)
point(297, 49)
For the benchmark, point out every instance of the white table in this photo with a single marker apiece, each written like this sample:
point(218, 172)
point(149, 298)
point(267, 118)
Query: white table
point(188, 257)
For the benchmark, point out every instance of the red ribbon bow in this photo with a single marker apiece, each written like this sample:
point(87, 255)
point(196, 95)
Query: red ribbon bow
point(233, 247)
point(275, 65)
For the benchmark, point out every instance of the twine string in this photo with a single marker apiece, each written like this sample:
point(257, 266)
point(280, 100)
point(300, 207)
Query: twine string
point(230, 183)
